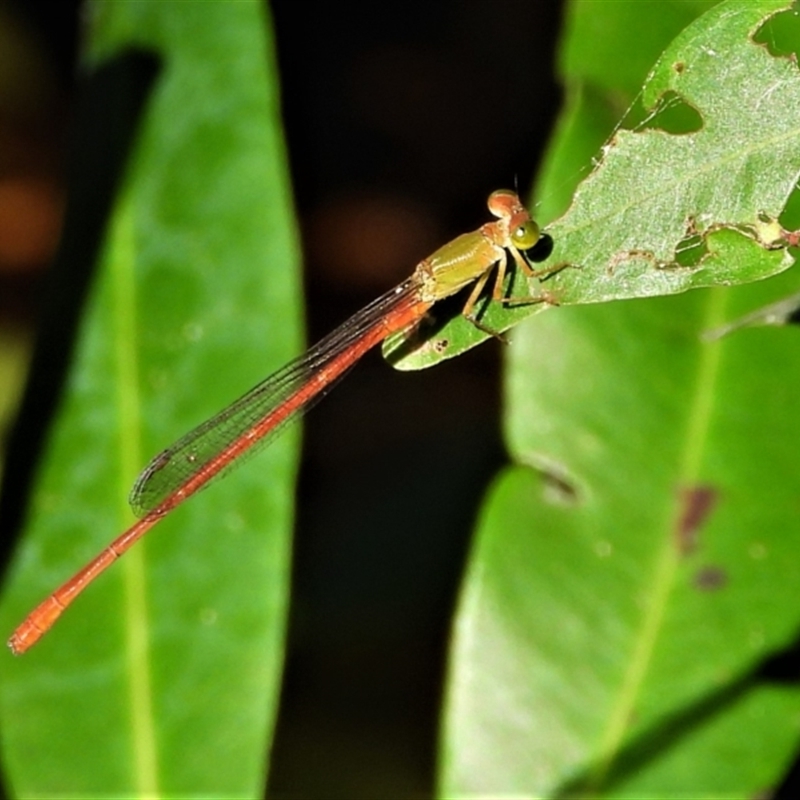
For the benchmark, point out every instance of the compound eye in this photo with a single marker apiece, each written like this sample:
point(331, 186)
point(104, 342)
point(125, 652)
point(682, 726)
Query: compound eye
point(526, 235)
point(503, 203)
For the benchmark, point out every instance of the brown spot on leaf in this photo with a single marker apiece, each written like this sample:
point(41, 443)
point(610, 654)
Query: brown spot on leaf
point(558, 489)
point(709, 579)
point(697, 503)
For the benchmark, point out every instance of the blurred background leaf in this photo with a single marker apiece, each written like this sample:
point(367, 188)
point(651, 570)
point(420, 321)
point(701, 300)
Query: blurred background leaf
point(195, 299)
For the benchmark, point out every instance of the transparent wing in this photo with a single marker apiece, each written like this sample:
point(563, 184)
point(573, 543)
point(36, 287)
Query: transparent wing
point(213, 448)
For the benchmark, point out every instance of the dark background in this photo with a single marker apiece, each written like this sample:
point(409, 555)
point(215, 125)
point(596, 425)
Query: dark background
point(400, 119)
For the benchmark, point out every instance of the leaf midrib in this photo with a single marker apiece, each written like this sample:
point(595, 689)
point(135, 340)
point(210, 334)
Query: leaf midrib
point(668, 557)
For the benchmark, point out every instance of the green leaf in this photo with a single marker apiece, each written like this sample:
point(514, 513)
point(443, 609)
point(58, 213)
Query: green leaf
point(601, 88)
point(164, 676)
point(669, 210)
point(638, 568)
point(629, 601)
point(598, 49)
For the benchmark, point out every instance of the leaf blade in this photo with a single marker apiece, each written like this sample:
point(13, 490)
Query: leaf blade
point(197, 295)
point(653, 190)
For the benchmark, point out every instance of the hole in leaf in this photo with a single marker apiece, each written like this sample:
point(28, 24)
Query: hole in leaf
point(780, 34)
point(790, 216)
point(673, 115)
point(691, 250)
